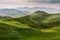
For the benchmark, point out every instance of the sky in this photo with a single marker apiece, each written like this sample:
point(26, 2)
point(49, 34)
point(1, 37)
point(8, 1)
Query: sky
point(55, 4)
point(30, 3)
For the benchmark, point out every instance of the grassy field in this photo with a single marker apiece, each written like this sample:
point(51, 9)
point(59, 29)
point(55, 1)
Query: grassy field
point(11, 29)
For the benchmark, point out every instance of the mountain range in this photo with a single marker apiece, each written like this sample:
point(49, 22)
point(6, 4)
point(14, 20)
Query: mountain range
point(22, 11)
point(33, 9)
point(12, 12)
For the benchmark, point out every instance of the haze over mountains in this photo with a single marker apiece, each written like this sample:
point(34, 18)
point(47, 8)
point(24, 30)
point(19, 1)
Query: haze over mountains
point(12, 12)
point(22, 11)
point(33, 9)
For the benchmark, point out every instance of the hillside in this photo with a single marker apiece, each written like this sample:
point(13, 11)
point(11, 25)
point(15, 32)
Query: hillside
point(40, 19)
point(37, 26)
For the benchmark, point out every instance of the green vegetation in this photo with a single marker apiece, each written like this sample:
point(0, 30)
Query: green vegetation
point(37, 26)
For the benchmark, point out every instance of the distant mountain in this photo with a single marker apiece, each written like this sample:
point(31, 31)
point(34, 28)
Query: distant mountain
point(12, 12)
point(22, 11)
point(33, 9)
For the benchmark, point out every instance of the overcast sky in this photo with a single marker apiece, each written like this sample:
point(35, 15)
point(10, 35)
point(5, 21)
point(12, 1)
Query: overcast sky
point(30, 3)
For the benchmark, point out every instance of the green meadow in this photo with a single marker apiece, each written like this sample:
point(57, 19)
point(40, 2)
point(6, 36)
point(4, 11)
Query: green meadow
point(37, 26)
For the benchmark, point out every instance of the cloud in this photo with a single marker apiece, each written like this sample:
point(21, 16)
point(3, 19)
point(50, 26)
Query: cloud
point(46, 1)
point(11, 1)
point(55, 1)
point(30, 3)
point(24, 1)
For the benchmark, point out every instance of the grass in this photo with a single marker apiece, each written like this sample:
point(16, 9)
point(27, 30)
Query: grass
point(14, 30)
point(22, 29)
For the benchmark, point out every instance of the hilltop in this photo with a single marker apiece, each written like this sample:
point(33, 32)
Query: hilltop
point(40, 18)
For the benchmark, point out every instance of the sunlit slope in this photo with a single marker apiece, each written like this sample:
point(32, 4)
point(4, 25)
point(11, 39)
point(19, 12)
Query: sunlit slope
point(12, 23)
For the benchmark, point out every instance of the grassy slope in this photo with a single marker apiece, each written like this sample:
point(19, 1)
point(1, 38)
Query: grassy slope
point(14, 30)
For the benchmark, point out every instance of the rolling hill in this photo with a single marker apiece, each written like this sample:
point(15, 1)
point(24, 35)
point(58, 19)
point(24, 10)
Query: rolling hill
point(40, 18)
point(37, 26)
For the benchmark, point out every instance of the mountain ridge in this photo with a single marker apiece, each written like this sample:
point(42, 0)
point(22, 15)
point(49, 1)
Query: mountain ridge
point(12, 12)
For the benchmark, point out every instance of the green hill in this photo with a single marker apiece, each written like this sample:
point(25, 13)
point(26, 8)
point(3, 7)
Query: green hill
point(40, 19)
point(37, 26)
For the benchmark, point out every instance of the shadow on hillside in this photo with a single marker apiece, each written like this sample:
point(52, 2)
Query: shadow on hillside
point(53, 23)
